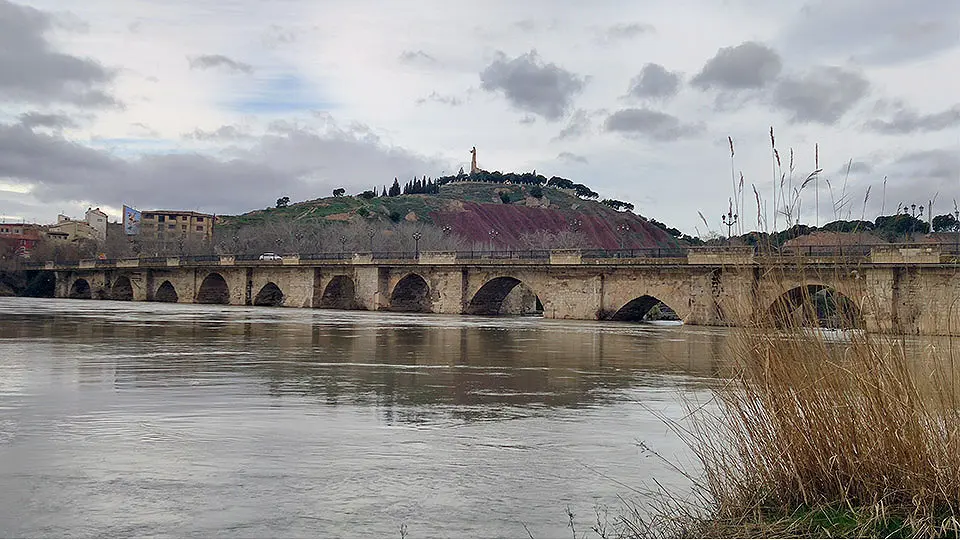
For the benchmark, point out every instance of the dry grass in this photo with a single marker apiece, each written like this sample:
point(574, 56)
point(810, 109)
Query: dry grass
point(822, 434)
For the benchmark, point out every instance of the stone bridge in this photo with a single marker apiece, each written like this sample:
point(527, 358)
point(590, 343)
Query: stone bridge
point(911, 290)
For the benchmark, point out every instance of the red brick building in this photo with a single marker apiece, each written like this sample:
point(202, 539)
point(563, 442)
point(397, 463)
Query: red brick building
point(19, 238)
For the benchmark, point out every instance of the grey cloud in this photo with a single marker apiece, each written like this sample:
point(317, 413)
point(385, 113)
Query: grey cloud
point(64, 171)
point(822, 95)
point(528, 119)
point(907, 120)
point(938, 164)
point(526, 25)
point(572, 158)
point(625, 31)
point(875, 32)
point(580, 124)
point(354, 153)
point(275, 36)
point(453, 101)
point(855, 167)
point(30, 71)
point(417, 57)
point(223, 133)
point(297, 163)
point(652, 124)
point(212, 61)
point(70, 22)
point(144, 130)
point(749, 65)
point(532, 86)
point(34, 119)
point(916, 177)
point(654, 81)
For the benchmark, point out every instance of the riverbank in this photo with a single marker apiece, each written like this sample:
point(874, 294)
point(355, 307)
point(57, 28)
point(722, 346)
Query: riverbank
point(17, 282)
point(12, 282)
point(824, 434)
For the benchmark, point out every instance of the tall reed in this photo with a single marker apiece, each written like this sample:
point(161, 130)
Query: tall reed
point(822, 433)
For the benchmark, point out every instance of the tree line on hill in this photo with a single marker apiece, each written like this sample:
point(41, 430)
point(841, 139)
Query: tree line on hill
point(427, 185)
point(901, 227)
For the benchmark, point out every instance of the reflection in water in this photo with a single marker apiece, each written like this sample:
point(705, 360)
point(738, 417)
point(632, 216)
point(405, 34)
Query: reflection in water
point(135, 419)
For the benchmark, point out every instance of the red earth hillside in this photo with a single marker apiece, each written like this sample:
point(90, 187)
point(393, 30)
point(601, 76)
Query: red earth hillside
point(597, 223)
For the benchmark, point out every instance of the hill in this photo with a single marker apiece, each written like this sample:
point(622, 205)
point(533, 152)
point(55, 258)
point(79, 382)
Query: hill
point(508, 216)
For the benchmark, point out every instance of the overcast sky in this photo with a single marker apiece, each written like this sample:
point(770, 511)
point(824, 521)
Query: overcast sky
point(223, 106)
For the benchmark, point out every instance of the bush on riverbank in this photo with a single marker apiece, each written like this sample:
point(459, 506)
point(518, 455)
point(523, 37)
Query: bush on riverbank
point(825, 434)
point(12, 282)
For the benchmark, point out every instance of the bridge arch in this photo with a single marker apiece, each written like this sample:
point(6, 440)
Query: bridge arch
point(166, 293)
point(502, 295)
point(411, 293)
point(122, 289)
point(269, 295)
point(645, 308)
point(81, 289)
point(213, 290)
point(814, 304)
point(340, 293)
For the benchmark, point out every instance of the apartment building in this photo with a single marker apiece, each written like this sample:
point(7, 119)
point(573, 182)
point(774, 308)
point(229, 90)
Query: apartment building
point(97, 219)
point(171, 224)
point(92, 227)
point(76, 230)
point(19, 238)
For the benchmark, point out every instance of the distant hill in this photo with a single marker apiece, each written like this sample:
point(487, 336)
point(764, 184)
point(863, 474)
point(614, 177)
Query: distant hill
point(481, 212)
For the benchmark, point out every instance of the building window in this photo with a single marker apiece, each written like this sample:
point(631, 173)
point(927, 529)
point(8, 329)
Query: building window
point(199, 219)
point(148, 216)
point(199, 228)
point(173, 217)
point(161, 218)
point(172, 226)
point(183, 227)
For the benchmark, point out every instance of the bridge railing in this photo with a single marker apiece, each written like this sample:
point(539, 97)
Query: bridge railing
point(638, 253)
point(527, 254)
point(334, 256)
point(200, 258)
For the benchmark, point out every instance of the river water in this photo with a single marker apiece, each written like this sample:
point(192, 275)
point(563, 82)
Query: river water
point(146, 419)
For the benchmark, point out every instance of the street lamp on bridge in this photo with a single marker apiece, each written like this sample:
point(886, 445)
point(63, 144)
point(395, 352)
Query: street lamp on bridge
point(416, 238)
point(493, 234)
point(729, 219)
point(622, 229)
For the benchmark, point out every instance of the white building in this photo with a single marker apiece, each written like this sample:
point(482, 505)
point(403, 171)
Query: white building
point(98, 220)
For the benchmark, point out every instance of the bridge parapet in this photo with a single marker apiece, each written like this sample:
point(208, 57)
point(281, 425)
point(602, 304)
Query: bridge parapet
point(128, 263)
point(87, 263)
point(566, 256)
point(437, 257)
point(288, 260)
point(898, 254)
point(173, 261)
point(721, 255)
point(228, 260)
